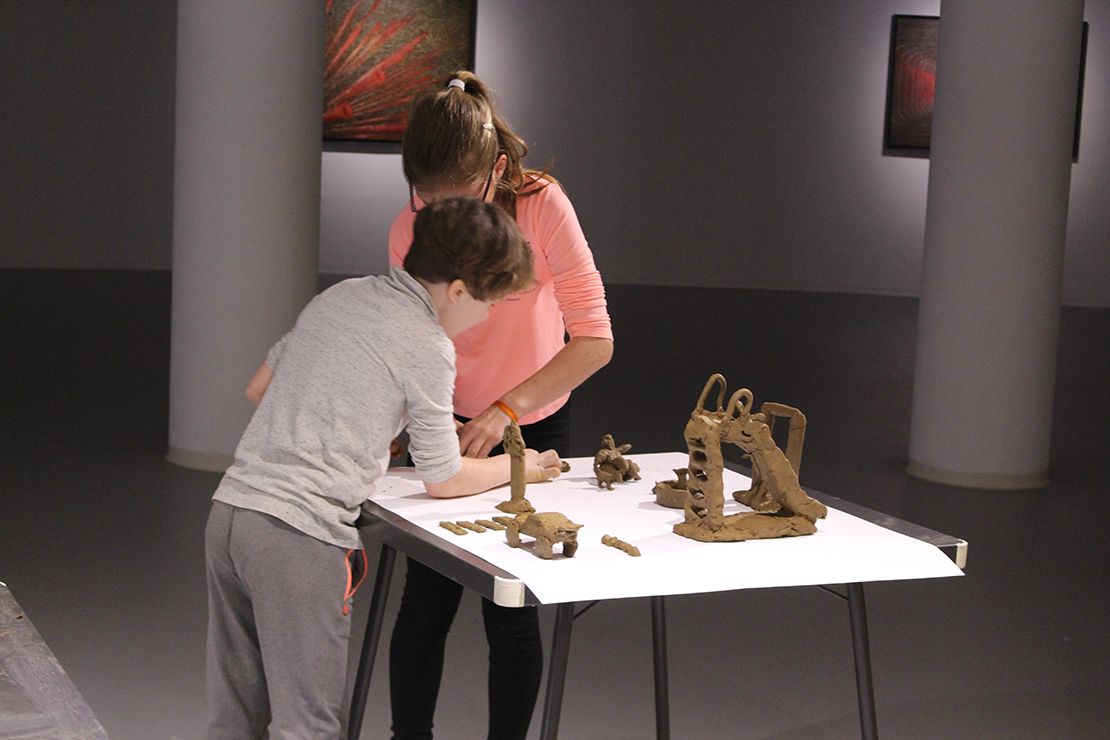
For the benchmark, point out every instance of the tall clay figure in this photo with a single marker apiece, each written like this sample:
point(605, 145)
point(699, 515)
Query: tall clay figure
point(513, 444)
point(514, 448)
point(518, 366)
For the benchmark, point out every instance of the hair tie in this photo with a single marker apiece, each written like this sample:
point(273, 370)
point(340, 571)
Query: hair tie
point(457, 83)
point(506, 409)
point(487, 126)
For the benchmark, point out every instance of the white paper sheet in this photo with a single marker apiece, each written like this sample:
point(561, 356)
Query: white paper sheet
point(845, 548)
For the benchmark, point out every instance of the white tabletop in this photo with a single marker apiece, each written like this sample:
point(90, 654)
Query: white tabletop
point(845, 548)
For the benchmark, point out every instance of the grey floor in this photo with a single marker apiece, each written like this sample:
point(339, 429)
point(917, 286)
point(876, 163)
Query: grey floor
point(101, 540)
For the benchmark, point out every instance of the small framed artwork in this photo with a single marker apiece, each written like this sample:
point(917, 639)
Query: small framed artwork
point(912, 82)
point(379, 54)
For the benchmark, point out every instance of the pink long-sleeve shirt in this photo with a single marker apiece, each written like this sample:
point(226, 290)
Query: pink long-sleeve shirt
point(526, 330)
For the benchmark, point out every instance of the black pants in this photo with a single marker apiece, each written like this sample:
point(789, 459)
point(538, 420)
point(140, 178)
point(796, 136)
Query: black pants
point(428, 607)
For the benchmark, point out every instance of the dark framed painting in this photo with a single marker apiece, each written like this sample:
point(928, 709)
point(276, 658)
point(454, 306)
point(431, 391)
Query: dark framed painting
point(912, 82)
point(379, 54)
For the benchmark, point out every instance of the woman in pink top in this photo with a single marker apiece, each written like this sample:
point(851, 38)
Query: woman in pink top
point(516, 364)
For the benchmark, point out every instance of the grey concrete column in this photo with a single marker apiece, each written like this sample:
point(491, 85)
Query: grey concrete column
point(1007, 75)
point(246, 206)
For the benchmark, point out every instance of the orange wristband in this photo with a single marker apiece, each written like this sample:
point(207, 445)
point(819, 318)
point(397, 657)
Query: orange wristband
point(507, 409)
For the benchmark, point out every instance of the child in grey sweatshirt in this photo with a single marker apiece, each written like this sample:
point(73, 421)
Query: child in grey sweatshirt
point(366, 359)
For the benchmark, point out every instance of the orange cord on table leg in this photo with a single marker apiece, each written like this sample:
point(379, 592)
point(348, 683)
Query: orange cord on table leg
point(349, 592)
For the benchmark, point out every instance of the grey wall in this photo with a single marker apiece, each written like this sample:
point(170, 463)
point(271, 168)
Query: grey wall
point(704, 142)
point(86, 133)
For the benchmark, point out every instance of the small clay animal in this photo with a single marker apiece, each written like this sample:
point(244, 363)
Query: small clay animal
point(547, 529)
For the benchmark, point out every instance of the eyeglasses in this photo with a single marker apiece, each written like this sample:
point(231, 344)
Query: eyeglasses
point(485, 190)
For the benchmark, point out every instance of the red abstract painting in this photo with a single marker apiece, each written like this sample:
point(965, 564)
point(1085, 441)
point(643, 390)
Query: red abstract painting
point(912, 86)
point(913, 81)
point(379, 54)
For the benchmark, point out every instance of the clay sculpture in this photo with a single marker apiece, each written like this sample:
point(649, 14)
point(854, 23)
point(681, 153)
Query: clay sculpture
point(452, 527)
point(611, 467)
point(775, 485)
point(513, 442)
point(786, 509)
point(490, 524)
point(472, 526)
point(612, 541)
point(547, 529)
point(672, 493)
point(757, 497)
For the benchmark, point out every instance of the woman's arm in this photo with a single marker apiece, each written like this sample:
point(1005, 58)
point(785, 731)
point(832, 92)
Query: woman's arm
point(568, 369)
point(580, 294)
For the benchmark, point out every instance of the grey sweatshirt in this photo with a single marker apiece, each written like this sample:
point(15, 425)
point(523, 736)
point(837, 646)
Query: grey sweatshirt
point(366, 359)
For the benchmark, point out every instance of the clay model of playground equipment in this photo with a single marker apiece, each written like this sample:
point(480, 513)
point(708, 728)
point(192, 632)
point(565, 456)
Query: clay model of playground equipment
point(547, 529)
point(672, 493)
point(758, 497)
point(784, 509)
point(611, 467)
point(513, 442)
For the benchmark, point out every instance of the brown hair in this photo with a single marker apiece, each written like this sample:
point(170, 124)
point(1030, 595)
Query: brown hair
point(470, 240)
point(447, 144)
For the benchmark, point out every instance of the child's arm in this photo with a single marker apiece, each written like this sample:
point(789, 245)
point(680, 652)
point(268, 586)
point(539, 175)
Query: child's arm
point(477, 475)
point(260, 381)
point(258, 384)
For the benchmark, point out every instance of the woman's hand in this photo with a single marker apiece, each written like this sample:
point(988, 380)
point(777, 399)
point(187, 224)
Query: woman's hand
point(541, 466)
point(482, 433)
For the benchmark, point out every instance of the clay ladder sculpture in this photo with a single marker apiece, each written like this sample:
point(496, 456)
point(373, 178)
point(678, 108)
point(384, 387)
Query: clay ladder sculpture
point(784, 509)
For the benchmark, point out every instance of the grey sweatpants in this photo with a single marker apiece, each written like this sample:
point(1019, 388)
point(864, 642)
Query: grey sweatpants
point(277, 628)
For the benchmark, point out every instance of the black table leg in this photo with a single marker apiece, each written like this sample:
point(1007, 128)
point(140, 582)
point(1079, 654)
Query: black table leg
point(659, 640)
point(557, 671)
point(370, 641)
point(861, 649)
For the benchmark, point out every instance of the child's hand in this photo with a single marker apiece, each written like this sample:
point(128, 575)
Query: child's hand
point(541, 466)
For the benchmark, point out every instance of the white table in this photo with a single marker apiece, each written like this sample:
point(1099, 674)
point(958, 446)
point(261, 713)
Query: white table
point(852, 546)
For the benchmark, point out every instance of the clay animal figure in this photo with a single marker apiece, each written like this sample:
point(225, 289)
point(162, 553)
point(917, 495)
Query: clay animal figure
point(547, 529)
point(611, 467)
